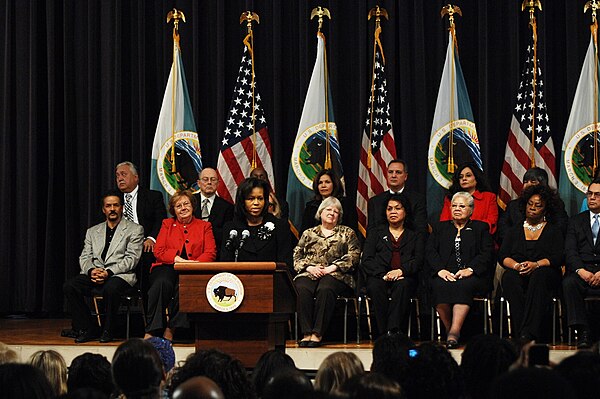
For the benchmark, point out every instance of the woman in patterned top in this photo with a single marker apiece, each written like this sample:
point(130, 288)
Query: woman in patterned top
point(324, 259)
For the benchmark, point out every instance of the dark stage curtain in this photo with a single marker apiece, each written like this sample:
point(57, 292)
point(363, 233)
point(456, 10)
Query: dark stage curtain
point(82, 83)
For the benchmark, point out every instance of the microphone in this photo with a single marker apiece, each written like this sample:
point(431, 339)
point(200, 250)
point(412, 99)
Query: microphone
point(245, 235)
point(232, 236)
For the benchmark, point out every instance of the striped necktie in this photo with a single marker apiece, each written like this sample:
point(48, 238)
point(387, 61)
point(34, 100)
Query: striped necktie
point(128, 207)
point(595, 228)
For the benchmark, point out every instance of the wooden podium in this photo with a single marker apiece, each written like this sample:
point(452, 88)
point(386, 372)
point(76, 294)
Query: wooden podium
point(260, 321)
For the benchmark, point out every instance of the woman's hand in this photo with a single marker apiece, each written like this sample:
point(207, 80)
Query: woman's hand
point(316, 271)
point(525, 268)
point(329, 269)
point(464, 273)
point(446, 275)
point(179, 259)
point(393, 275)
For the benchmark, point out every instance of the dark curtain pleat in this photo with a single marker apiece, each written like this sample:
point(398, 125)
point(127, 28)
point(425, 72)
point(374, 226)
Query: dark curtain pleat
point(82, 84)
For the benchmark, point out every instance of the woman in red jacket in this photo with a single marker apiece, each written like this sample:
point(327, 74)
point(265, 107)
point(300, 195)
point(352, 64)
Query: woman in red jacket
point(182, 238)
point(468, 177)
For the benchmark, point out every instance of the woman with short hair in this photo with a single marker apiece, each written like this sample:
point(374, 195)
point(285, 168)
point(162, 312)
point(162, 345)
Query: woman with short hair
point(460, 256)
point(324, 259)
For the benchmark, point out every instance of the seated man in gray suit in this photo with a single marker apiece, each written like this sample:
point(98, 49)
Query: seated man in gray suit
point(110, 253)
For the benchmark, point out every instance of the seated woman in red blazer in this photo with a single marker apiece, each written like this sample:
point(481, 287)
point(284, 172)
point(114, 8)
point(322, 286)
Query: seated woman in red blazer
point(182, 238)
point(468, 177)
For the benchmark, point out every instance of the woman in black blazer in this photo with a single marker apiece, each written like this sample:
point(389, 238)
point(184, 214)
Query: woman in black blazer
point(259, 236)
point(460, 255)
point(392, 258)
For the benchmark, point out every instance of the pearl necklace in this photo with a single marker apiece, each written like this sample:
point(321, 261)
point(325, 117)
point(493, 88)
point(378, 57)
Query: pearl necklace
point(534, 228)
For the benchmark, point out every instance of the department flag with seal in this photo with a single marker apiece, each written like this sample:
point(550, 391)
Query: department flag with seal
point(176, 156)
point(316, 137)
point(246, 143)
point(453, 137)
point(581, 142)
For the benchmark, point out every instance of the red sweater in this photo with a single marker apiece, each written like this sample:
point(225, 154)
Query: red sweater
point(485, 208)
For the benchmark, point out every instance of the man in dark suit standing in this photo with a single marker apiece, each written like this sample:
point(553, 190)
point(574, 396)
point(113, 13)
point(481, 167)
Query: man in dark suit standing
point(582, 251)
point(144, 207)
point(397, 174)
point(110, 254)
point(212, 208)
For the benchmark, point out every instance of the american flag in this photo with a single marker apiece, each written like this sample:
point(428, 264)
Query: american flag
point(239, 142)
point(378, 137)
point(530, 116)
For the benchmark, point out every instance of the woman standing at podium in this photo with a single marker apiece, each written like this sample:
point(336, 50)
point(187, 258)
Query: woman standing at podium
point(182, 238)
point(324, 259)
point(254, 235)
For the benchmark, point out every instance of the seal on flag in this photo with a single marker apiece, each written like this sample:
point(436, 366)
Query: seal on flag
point(188, 163)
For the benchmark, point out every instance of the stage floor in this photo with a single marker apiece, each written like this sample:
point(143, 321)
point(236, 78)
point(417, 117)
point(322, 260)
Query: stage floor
point(27, 336)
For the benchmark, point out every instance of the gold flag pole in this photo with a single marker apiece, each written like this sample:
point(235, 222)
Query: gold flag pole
point(377, 12)
point(321, 12)
point(248, 17)
point(174, 15)
point(450, 10)
point(530, 5)
point(594, 5)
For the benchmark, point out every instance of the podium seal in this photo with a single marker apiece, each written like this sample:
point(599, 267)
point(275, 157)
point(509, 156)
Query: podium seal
point(225, 292)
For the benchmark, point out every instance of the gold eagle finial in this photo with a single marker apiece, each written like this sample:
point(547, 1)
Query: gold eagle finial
point(594, 6)
point(320, 12)
point(450, 10)
point(377, 12)
point(175, 15)
point(248, 17)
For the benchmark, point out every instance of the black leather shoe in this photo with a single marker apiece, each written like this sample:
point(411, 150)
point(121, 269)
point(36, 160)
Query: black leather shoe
point(313, 344)
point(105, 337)
point(451, 344)
point(303, 344)
point(87, 336)
point(70, 333)
point(585, 339)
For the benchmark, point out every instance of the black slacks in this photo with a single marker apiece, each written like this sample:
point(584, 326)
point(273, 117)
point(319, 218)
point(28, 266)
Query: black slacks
point(316, 302)
point(575, 290)
point(163, 293)
point(82, 286)
point(391, 301)
point(530, 297)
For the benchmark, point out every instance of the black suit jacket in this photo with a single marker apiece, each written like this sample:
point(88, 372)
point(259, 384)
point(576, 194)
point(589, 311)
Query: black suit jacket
point(276, 248)
point(418, 210)
point(150, 211)
point(580, 251)
point(377, 252)
point(477, 248)
point(220, 213)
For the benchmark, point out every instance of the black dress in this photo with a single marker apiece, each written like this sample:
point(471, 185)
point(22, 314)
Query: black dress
point(475, 249)
point(529, 295)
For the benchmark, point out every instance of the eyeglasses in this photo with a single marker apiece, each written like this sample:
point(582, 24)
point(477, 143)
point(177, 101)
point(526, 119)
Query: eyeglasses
point(186, 204)
point(209, 179)
point(593, 194)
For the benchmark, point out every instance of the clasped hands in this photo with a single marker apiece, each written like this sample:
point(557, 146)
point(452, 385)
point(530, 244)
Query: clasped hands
point(526, 267)
point(320, 271)
point(593, 279)
point(449, 276)
point(99, 275)
point(393, 275)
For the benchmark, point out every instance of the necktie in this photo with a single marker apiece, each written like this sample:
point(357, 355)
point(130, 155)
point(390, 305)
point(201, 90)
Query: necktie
point(128, 208)
point(205, 212)
point(595, 228)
